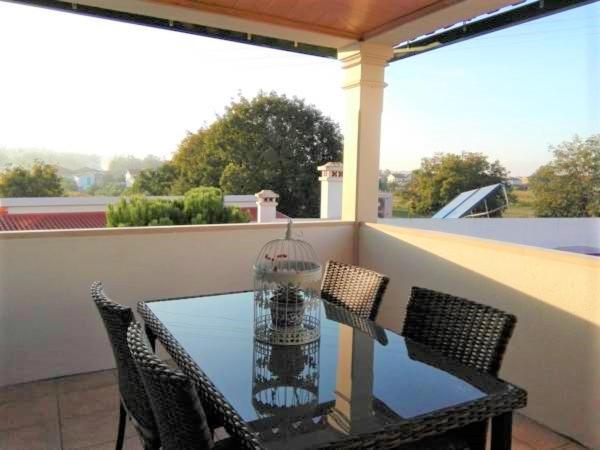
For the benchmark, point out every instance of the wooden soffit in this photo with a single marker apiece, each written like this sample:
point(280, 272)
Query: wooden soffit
point(351, 19)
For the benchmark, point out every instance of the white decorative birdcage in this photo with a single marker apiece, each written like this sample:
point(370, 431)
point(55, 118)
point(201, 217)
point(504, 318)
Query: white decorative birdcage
point(286, 300)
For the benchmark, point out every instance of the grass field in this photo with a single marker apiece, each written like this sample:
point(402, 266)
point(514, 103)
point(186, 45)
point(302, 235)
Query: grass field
point(523, 207)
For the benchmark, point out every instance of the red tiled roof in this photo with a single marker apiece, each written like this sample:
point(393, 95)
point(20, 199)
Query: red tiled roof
point(253, 213)
point(52, 221)
point(66, 221)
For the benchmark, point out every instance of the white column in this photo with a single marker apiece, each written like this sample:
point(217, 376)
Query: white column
point(266, 203)
point(364, 67)
point(332, 175)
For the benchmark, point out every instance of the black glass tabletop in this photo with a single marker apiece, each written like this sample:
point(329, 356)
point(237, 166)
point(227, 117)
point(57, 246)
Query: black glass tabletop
point(356, 378)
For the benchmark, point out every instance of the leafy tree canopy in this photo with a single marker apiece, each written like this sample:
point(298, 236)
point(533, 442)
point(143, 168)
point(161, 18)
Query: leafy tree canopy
point(110, 189)
point(41, 180)
point(157, 181)
point(569, 186)
point(27, 157)
point(269, 142)
point(119, 165)
point(444, 176)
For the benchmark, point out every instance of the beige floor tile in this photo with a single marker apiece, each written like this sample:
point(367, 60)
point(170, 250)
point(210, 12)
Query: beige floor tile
point(38, 437)
point(89, 401)
point(21, 414)
point(132, 443)
point(536, 435)
point(92, 430)
point(27, 391)
point(572, 446)
point(519, 445)
point(86, 381)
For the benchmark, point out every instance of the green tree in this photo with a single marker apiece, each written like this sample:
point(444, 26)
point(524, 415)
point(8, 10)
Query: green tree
point(157, 181)
point(204, 205)
point(270, 142)
point(139, 211)
point(41, 180)
point(569, 186)
point(201, 205)
point(119, 165)
point(110, 189)
point(444, 176)
point(68, 184)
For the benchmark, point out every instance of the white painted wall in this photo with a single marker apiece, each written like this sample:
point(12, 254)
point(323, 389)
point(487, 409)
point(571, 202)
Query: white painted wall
point(555, 351)
point(48, 324)
point(331, 198)
point(547, 233)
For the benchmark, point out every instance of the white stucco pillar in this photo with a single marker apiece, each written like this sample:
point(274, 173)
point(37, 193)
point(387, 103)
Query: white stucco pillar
point(266, 203)
point(364, 67)
point(332, 175)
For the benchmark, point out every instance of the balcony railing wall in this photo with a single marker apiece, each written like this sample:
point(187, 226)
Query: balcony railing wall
point(555, 295)
point(48, 324)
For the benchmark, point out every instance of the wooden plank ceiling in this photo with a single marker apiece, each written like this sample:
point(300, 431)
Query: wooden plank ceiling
point(354, 19)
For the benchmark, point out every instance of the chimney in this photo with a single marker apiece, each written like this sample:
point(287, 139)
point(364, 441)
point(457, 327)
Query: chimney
point(332, 175)
point(266, 203)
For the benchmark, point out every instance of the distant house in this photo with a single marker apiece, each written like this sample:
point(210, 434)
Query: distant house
point(399, 178)
point(520, 183)
point(87, 177)
point(130, 177)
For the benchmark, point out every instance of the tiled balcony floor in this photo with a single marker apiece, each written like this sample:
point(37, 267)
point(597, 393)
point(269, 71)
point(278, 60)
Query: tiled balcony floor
point(81, 412)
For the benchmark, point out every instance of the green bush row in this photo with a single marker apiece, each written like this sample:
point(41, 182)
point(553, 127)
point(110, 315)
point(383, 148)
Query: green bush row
point(203, 205)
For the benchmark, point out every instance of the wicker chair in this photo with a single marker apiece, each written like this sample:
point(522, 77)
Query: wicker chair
point(179, 414)
point(357, 289)
point(475, 335)
point(134, 401)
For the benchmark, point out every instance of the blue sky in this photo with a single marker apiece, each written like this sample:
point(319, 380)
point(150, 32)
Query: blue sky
point(74, 83)
point(508, 94)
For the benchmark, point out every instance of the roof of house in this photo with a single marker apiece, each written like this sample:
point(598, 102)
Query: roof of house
point(75, 220)
point(252, 211)
point(52, 221)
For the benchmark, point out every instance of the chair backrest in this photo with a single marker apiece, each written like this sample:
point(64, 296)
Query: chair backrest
point(474, 334)
point(116, 320)
point(179, 414)
point(357, 289)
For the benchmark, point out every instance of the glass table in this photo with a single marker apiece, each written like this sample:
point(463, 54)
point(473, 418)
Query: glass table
point(358, 381)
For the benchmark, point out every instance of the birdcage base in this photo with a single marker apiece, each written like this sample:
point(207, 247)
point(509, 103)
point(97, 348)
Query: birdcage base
point(309, 331)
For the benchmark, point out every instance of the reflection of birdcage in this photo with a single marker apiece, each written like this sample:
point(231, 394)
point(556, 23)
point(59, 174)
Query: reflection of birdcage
point(286, 300)
point(285, 380)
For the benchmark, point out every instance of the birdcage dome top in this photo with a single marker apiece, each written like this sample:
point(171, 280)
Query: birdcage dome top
point(288, 259)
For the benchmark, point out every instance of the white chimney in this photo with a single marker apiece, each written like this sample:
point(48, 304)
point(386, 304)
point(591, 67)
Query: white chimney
point(332, 175)
point(266, 203)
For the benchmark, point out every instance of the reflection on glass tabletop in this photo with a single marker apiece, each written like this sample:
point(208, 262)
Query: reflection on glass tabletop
point(356, 378)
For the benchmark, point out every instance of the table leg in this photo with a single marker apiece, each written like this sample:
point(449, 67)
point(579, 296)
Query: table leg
point(502, 431)
point(151, 338)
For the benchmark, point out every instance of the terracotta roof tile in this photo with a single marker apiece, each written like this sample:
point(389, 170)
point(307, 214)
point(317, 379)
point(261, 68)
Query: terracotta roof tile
point(52, 221)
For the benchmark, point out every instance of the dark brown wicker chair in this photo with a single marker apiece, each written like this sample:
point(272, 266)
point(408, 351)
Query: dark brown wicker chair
point(475, 335)
point(357, 289)
point(179, 414)
point(134, 401)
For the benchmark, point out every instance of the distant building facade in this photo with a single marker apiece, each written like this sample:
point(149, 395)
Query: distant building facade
point(86, 178)
point(130, 177)
point(520, 183)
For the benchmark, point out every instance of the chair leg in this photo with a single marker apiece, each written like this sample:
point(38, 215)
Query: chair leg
point(121, 432)
point(502, 431)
